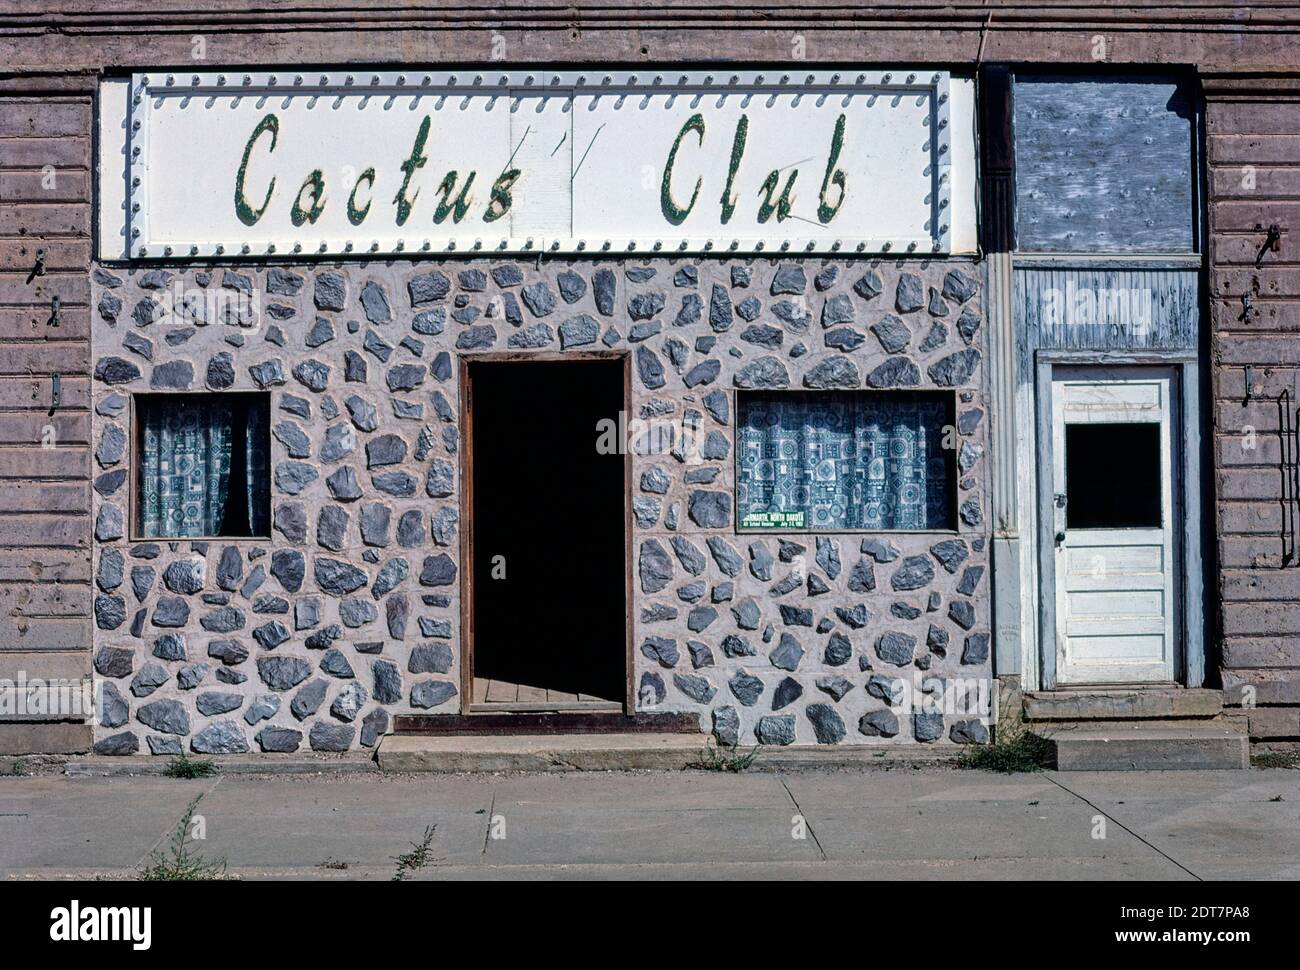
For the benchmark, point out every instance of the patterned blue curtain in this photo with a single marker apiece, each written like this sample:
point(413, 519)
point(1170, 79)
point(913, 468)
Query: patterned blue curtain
point(257, 464)
point(185, 467)
point(847, 461)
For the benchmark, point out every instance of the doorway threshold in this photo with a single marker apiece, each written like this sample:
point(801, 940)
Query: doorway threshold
point(546, 722)
point(542, 707)
point(1117, 702)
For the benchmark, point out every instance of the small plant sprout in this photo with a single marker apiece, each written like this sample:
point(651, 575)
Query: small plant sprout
point(179, 862)
point(417, 858)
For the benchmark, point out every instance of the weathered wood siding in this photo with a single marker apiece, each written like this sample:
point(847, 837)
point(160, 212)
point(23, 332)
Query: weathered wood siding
point(1104, 166)
point(1253, 148)
point(1107, 308)
point(80, 36)
point(45, 592)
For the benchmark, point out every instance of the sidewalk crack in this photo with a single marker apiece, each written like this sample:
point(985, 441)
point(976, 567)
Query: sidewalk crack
point(795, 802)
point(1096, 808)
point(487, 831)
point(167, 832)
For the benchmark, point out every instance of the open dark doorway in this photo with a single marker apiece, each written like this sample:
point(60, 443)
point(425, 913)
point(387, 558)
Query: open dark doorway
point(547, 532)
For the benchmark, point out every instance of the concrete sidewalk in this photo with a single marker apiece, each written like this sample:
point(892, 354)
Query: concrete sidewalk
point(904, 823)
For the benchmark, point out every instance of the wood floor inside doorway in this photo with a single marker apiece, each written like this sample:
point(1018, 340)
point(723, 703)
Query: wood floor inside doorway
point(501, 695)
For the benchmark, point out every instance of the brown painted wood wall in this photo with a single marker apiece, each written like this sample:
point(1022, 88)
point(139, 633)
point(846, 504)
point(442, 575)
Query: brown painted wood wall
point(45, 592)
point(77, 36)
point(1253, 148)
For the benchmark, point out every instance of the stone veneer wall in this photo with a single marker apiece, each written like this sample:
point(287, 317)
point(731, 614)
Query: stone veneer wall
point(350, 612)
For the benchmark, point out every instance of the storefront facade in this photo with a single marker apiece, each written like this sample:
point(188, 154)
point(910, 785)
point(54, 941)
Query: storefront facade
point(814, 400)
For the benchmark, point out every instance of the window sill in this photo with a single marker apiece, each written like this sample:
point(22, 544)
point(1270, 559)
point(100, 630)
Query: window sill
point(847, 532)
point(136, 539)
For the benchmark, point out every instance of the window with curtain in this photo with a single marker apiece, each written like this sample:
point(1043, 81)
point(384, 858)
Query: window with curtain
point(845, 460)
point(204, 465)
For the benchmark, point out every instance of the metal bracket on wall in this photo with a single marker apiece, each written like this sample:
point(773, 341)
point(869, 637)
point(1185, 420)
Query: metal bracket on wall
point(1248, 309)
point(56, 391)
point(38, 269)
point(55, 306)
point(1288, 423)
point(1272, 243)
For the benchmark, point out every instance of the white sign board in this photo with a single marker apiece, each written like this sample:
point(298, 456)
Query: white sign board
point(257, 164)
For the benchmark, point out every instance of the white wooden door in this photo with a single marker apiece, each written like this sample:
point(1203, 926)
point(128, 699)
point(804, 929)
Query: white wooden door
point(1113, 483)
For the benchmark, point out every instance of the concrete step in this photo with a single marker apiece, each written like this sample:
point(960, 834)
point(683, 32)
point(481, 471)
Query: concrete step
point(1118, 703)
point(44, 737)
point(622, 752)
point(1146, 746)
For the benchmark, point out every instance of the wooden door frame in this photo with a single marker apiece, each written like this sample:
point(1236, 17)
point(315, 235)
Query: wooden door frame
point(466, 497)
point(1185, 430)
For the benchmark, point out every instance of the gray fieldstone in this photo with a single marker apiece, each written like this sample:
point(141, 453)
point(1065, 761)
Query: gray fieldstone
point(309, 698)
point(955, 369)
point(914, 573)
point(895, 372)
point(428, 288)
point(828, 726)
point(835, 372)
point(896, 648)
point(654, 566)
point(695, 687)
point(149, 679)
point(878, 724)
point(336, 577)
point(787, 692)
point(282, 673)
point(777, 729)
point(279, 740)
point(788, 653)
point(726, 726)
point(186, 576)
point(167, 716)
point(217, 702)
point(927, 725)
point(710, 510)
point(331, 291)
point(373, 727)
point(910, 295)
point(651, 691)
point(432, 693)
point(764, 373)
point(125, 743)
point(746, 688)
point(789, 278)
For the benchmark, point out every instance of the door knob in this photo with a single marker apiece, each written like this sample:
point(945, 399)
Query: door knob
point(1060, 537)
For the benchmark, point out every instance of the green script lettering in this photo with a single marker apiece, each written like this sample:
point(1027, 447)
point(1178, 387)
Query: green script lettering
point(314, 182)
point(415, 161)
point(357, 216)
point(825, 212)
point(673, 212)
point(737, 150)
point(783, 202)
point(247, 214)
point(460, 204)
point(501, 200)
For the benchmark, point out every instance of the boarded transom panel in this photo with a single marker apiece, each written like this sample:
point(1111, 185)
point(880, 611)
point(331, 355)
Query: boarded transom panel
point(1104, 165)
point(1107, 307)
